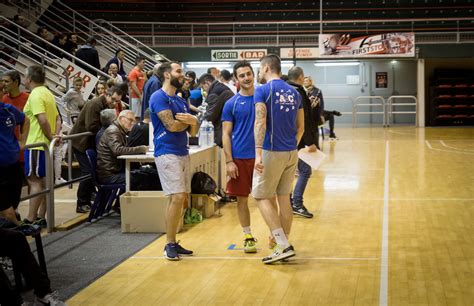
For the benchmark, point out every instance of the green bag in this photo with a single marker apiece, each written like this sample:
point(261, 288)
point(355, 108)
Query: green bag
point(192, 216)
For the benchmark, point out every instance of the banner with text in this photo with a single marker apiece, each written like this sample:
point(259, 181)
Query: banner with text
point(301, 52)
point(383, 45)
point(237, 55)
point(73, 71)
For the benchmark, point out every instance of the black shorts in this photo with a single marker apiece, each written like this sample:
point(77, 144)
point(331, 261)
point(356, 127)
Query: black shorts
point(11, 182)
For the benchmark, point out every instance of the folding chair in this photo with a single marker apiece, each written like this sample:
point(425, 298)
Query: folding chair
point(106, 193)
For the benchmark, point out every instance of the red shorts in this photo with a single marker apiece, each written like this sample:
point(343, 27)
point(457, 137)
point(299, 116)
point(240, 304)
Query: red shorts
point(242, 185)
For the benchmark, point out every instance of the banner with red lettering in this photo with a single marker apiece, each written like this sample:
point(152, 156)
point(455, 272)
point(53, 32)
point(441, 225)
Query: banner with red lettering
point(382, 45)
point(73, 71)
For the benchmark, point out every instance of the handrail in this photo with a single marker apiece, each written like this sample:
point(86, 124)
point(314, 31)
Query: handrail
point(139, 43)
point(43, 57)
point(107, 35)
point(344, 98)
point(48, 189)
point(51, 169)
point(390, 108)
point(75, 59)
point(356, 112)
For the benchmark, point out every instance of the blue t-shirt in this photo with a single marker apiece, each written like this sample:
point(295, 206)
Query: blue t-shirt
point(282, 102)
point(167, 142)
point(240, 110)
point(10, 117)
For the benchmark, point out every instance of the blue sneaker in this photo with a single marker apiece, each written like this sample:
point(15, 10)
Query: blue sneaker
point(171, 251)
point(181, 250)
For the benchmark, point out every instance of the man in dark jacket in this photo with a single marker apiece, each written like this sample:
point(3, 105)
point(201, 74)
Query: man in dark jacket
point(217, 95)
point(317, 102)
point(119, 60)
point(309, 139)
point(89, 54)
point(111, 170)
point(89, 121)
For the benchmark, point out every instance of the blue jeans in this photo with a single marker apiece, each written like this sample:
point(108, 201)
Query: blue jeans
point(304, 171)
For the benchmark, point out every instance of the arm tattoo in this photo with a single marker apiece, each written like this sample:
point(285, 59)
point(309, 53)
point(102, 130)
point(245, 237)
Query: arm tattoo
point(260, 123)
point(167, 119)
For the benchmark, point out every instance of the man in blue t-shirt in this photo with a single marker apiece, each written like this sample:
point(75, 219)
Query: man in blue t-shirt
point(11, 172)
point(279, 126)
point(171, 121)
point(238, 142)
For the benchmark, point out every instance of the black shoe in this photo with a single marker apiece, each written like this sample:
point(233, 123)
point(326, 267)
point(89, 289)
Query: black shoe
point(336, 113)
point(29, 229)
point(181, 250)
point(83, 209)
point(301, 211)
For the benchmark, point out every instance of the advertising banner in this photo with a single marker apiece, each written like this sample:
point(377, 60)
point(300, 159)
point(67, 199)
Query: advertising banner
point(382, 45)
point(74, 71)
point(237, 54)
point(301, 52)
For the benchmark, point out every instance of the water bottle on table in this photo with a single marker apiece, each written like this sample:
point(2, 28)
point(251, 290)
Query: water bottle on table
point(203, 134)
point(210, 134)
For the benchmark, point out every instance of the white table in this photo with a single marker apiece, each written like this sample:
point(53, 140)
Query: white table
point(205, 159)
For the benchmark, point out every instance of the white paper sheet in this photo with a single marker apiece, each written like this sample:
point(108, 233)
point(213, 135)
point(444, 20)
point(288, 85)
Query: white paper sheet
point(314, 159)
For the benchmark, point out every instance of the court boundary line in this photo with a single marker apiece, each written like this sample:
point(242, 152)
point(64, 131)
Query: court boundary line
point(260, 258)
point(383, 297)
point(449, 151)
point(454, 148)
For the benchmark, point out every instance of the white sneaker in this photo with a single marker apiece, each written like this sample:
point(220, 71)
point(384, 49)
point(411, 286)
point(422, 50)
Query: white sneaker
point(280, 253)
point(51, 299)
point(60, 180)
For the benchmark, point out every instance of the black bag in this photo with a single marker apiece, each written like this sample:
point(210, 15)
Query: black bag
point(202, 183)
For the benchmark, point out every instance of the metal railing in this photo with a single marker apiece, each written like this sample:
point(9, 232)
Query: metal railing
point(391, 111)
point(22, 38)
point(59, 17)
point(370, 112)
point(347, 98)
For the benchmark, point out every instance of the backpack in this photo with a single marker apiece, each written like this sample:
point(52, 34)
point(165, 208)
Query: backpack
point(202, 183)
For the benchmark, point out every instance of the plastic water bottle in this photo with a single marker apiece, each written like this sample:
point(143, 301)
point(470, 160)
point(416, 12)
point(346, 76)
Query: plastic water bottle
point(203, 134)
point(210, 134)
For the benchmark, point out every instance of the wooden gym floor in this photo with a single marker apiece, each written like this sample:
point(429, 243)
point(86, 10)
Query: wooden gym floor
point(393, 225)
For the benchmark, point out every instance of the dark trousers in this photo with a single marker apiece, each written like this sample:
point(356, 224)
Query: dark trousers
point(15, 246)
point(86, 188)
point(329, 116)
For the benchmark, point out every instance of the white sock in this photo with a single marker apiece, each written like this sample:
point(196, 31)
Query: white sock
point(280, 237)
point(247, 230)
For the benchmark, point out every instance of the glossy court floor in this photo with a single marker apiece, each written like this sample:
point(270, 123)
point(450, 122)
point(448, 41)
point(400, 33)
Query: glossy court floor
point(393, 225)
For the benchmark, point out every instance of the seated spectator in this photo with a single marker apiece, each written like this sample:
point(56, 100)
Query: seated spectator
point(113, 72)
point(329, 116)
point(119, 61)
point(107, 116)
point(140, 132)
point(42, 42)
point(101, 89)
point(112, 144)
point(73, 99)
point(71, 44)
point(59, 41)
point(14, 245)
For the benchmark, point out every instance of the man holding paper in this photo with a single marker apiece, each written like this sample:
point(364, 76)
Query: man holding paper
point(309, 140)
point(279, 125)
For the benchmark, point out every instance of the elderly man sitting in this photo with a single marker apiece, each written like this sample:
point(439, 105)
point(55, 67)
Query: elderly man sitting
point(113, 143)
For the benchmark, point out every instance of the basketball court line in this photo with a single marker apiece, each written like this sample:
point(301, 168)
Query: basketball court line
point(450, 147)
point(449, 151)
point(383, 297)
point(260, 258)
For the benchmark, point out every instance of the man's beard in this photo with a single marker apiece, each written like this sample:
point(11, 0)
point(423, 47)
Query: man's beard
point(175, 83)
point(261, 79)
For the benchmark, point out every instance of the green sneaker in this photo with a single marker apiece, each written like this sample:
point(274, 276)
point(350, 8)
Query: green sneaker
point(249, 244)
point(41, 222)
